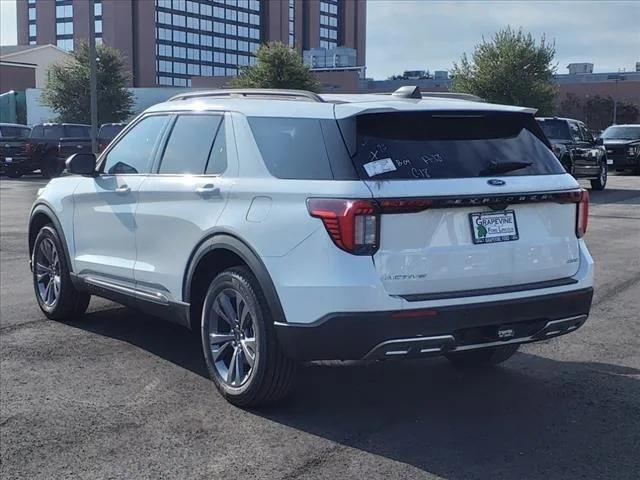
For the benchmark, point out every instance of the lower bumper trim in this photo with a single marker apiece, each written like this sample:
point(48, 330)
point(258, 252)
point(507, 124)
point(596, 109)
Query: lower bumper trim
point(358, 335)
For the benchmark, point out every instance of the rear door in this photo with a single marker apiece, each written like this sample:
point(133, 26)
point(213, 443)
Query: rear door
point(182, 199)
point(458, 210)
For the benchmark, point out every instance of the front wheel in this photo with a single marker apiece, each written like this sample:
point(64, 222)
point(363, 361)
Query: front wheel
point(239, 341)
point(482, 357)
point(57, 297)
point(600, 182)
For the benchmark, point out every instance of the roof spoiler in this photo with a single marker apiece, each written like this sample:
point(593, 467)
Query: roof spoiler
point(413, 91)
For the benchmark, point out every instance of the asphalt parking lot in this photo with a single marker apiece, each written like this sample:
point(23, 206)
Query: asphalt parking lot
point(122, 395)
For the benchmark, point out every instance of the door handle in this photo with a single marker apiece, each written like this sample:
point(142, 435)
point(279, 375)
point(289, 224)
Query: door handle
point(208, 190)
point(123, 189)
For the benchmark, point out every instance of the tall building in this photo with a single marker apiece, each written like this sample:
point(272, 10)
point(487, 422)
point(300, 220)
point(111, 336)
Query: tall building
point(166, 42)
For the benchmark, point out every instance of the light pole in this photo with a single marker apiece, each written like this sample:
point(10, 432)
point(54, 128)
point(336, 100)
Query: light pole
point(616, 77)
point(93, 80)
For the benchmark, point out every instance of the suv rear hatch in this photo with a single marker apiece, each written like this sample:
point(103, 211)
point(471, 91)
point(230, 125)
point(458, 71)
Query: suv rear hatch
point(470, 202)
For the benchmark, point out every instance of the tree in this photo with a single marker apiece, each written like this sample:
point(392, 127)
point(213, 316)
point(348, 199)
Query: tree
point(278, 66)
point(510, 68)
point(67, 88)
point(597, 111)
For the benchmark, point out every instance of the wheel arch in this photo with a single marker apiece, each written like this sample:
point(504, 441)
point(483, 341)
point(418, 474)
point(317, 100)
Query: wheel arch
point(41, 215)
point(214, 254)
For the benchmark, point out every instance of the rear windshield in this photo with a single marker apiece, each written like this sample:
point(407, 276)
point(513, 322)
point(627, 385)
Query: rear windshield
point(555, 129)
point(433, 145)
point(76, 131)
point(14, 132)
point(109, 131)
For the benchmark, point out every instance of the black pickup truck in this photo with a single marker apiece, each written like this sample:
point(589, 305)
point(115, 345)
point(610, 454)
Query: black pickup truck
point(13, 139)
point(580, 154)
point(51, 143)
point(623, 147)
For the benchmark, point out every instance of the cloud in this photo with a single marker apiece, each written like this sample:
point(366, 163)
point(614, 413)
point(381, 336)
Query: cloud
point(420, 34)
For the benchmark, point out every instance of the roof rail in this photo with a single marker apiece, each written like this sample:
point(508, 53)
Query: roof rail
point(413, 91)
point(271, 93)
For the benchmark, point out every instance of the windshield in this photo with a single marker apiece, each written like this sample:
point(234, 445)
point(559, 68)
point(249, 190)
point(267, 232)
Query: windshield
point(555, 129)
point(418, 145)
point(15, 132)
point(622, 133)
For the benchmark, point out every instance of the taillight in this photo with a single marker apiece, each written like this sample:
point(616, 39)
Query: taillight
point(583, 214)
point(353, 225)
point(28, 147)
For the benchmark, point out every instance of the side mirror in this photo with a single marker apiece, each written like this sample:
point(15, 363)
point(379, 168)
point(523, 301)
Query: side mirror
point(599, 141)
point(82, 164)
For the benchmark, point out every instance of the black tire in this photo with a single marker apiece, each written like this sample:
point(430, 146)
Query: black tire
point(482, 357)
point(14, 173)
point(271, 376)
point(70, 304)
point(50, 167)
point(601, 182)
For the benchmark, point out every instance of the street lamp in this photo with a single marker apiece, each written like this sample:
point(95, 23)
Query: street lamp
point(616, 77)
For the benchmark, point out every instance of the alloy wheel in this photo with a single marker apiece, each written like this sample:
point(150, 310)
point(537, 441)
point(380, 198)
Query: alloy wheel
point(47, 272)
point(232, 337)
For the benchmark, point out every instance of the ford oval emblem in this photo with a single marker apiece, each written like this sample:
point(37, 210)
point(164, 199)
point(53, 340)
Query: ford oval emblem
point(495, 182)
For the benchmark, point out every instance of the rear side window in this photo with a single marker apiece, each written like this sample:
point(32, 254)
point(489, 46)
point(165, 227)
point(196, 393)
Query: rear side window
point(189, 144)
point(292, 148)
point(132, 154)
point(420, 145)
point(76, 131)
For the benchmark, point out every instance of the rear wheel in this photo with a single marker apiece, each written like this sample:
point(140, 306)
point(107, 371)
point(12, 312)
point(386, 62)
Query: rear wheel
point(600, 182)
point(57, 297)
point(50, 167)
point(482, 357)
point(239, 341)
point(13, 173)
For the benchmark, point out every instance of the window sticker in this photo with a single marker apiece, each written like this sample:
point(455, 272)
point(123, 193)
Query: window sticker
point(378, 167)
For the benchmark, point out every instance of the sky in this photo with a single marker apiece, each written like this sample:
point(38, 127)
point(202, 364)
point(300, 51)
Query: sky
point(424, 34)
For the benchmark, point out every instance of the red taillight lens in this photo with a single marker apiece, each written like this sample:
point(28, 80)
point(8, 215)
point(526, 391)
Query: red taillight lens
point(583, 214)
point(351, 224)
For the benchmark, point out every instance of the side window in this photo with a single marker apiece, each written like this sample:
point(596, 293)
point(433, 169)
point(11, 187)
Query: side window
point(217, 163)
point(132, 154)
point(586, 134)
point(575, 132)
point(292, 148)
point(189, 144)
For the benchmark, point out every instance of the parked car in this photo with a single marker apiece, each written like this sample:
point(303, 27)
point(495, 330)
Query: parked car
point(108, 132)
point(317, 228)
point(622, 143)
point(13, 138)
point(50, 144)
point(580, 154)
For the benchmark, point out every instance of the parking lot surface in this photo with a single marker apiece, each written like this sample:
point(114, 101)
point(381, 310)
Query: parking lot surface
point(123, 395)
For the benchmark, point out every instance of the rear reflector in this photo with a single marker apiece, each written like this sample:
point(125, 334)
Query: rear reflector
point(351, 224)
point(583, 214)
point(415, 314)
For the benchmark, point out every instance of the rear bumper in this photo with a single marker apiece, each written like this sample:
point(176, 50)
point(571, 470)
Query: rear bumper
point(438, 330)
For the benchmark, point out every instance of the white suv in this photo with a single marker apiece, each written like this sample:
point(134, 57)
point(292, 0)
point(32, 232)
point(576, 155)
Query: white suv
point(291, 227)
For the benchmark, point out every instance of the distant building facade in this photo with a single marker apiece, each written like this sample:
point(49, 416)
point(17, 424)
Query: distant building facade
point(168, 42)
point(41, 57)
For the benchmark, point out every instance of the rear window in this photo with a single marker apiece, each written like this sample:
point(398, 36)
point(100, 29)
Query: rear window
point(52, 131)
point(110, 131)
point(14, 132)
point(433, 145)
point(622, 133)
point(555, 129)
point(76, 131)
point(292, 148)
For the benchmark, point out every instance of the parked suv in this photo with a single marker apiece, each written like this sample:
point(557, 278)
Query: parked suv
point(50, 144)
point(13, 138)
point(286, 227)
point(622, 143)
point(580, 154)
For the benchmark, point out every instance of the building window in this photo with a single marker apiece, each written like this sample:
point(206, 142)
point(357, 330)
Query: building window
point(64, 28)
point(329, 23)
point(292, 23)
point(66, 44)
point(64, 24)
